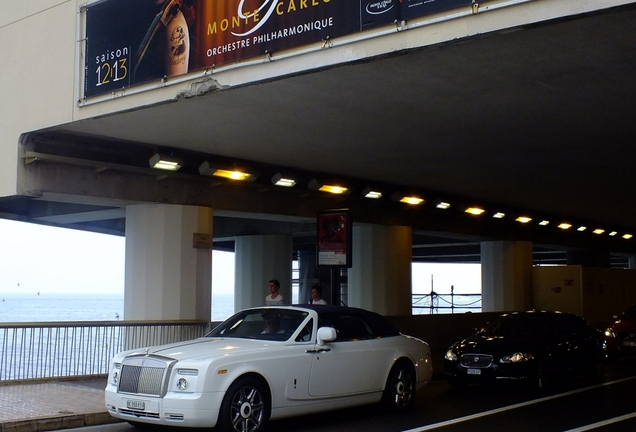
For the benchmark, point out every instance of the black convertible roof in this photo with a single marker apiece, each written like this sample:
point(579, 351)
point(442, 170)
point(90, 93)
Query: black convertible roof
point(379, 324)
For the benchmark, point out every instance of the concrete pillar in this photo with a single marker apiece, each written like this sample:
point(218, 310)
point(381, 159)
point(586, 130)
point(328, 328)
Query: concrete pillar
point(259, 259)
point(506, 276)
point(380, 276)
point(309, 274)
point(166, 277)
point(631, 263)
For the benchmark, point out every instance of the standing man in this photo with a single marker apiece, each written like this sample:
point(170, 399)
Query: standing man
point(274, 298)
point(316, 295)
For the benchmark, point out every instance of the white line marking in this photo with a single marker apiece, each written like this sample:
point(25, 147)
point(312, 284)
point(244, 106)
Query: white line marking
point(512, 407)
point(603, 423)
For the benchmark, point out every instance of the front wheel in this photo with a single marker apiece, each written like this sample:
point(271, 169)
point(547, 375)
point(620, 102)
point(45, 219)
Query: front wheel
point(245, 407)
point(597, 369)
point(399, 393)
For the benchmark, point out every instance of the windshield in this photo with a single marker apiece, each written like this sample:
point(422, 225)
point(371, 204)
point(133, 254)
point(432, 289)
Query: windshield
point(518, 325)
point(265, 324)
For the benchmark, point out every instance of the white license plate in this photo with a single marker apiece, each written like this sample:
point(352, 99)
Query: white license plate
point(629, 343)
point(474, 372)
point(136, 405)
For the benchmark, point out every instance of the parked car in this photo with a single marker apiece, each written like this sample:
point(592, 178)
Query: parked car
point(620, 337)
point(269, 363)
point(540, 347)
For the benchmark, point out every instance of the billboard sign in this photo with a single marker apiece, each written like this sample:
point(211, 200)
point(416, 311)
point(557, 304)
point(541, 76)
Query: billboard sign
point(130, 42)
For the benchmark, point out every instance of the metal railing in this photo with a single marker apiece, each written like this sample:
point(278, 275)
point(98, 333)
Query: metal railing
point(81, 348)
point(433, 302)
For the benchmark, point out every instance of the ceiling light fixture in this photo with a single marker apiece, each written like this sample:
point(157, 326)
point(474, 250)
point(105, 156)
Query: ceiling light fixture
point(285, 181)
point(613, 233)
point(337, 189)
point(229, 173)
point(565, 226)
point(163, 162)
point(581, 228)
point(443, 205)
point(371, 193)
point(598, 231)
point(524, 219)
point(627, 236)
point(499, 215)
point(407, 199)
point(476, 211)
point(544, 222)
point(412, 200)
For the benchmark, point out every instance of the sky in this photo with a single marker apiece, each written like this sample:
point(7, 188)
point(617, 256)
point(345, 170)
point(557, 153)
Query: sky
point(37, 258)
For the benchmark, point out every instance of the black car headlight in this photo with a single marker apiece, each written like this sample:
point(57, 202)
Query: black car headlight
point(610, 333)
point(450, 355)
point(518, 357)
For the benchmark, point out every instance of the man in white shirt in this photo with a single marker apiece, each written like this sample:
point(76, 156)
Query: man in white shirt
point(274, 298)
point(316, 295)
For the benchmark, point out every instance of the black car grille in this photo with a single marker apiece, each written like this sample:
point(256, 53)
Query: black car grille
point(475, 360)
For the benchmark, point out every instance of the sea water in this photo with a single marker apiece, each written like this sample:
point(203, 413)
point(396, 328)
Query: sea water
point(46, 307)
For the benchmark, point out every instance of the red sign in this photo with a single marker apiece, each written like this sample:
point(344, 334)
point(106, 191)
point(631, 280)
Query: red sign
point(334, 238)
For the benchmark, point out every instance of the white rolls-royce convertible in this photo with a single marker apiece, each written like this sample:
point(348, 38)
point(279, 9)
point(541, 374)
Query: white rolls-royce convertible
point(269, 363)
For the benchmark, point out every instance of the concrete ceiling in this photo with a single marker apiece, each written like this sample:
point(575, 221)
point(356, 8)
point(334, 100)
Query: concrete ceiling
point(540, 118)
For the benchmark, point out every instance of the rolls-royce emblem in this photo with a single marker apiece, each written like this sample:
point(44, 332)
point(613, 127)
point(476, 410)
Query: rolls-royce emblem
point(476, 359)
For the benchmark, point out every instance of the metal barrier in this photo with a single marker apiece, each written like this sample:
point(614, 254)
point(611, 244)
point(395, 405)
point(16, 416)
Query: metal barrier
point(448, 303)
point(81, 348)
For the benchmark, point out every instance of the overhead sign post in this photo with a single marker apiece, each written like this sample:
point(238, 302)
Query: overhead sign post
point(334, 243)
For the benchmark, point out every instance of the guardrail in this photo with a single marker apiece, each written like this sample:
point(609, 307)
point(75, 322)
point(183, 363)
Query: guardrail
point(81, 348)
point(448, 303)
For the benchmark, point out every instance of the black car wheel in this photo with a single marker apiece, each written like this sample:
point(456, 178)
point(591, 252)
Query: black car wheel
point(245, 407)
point(399, 393)
point(597, 370)
point(545, 376)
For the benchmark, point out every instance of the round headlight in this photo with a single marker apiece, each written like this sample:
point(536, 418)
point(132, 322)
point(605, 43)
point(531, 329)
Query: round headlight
point(450, 355)
point(182, 384)
point(115, 377)
point(517, 357)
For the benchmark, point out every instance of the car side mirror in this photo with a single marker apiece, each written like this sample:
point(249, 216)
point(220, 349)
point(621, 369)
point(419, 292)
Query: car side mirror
point(326, 334)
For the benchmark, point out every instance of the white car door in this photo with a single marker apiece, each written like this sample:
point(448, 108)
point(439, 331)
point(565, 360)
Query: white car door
point(346, 365)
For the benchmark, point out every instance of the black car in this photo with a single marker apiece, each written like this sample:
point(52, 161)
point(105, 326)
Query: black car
point(540, 347)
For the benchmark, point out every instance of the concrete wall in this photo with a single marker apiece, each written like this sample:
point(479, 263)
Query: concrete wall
point(39, 74)
point(594, 293)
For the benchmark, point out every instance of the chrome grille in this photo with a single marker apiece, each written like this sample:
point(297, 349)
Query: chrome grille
point(476, 360)
point(141, 380)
